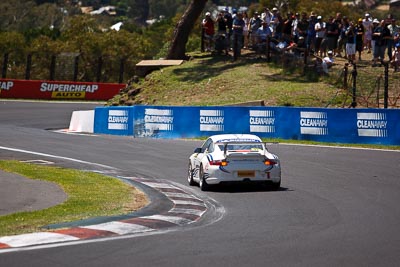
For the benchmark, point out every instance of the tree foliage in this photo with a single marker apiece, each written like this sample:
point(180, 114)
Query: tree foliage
point(51, 27)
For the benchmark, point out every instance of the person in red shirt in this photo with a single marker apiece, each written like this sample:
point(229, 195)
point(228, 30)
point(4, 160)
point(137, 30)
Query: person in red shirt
point(209, 30)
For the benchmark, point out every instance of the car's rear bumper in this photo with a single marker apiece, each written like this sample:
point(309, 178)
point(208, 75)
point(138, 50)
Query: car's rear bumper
point(218, 176)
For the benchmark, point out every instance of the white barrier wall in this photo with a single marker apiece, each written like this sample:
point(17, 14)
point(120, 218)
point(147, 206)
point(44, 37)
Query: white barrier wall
point(82, 121)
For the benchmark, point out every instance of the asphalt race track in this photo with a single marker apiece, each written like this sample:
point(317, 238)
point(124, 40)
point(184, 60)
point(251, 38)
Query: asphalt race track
point(336, 207)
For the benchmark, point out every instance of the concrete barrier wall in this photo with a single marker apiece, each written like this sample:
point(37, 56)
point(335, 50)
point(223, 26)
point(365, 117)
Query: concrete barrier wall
point(82, 121)
point(369, 126)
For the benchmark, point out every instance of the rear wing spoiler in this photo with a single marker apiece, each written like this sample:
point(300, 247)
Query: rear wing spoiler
point(226, 144)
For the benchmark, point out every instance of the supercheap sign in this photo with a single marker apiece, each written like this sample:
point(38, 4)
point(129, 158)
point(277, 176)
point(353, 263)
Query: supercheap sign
point(10, 88)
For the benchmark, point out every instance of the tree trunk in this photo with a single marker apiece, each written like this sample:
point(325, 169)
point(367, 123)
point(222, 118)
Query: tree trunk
point(143, 10)
point(182, 30)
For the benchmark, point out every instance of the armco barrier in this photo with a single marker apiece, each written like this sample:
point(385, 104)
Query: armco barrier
point(368, 126)
point(27, 89)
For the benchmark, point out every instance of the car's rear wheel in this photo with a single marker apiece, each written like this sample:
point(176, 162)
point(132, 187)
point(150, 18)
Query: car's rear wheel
point(190, 175)
point(202, 182)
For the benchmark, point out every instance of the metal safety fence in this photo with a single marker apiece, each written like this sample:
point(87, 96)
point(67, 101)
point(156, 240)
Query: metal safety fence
point(67, 67)
point(369, 87)
point(360, 84)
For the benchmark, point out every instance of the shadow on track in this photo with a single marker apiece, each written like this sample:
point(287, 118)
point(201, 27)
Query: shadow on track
point(246, 188)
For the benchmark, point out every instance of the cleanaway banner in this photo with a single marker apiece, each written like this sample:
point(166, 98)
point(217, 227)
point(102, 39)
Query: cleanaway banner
point(370, 126)
point(113, 120)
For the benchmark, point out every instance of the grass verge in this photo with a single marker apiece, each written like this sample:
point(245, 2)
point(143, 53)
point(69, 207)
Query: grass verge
point(89, 195)
point(208, 80)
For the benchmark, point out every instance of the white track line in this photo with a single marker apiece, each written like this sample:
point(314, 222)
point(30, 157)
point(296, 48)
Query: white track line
point(54, 156)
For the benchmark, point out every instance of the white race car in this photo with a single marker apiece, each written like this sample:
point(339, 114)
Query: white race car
point(229, 158)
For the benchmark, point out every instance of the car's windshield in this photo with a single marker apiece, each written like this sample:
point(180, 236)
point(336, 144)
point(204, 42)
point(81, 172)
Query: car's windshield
point(241, 147)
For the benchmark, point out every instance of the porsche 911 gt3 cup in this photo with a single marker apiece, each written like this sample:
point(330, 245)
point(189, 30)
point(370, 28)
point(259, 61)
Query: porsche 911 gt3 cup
point(230, 158)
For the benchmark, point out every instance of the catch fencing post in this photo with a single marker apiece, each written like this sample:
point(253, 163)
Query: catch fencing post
point(28, 67)
point(354, 74)
point(345, 75)
point(268, 49)
point(386, 86)
point(5, 64)
point(121, 70)
point(76, 67)
point(99, 67)
point(202, 40)
point(52, 67)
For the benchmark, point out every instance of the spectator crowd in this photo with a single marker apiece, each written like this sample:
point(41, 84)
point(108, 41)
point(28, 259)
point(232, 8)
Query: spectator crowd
point(298, 33)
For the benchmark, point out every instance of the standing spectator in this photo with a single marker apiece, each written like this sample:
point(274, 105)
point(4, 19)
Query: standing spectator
point(221, 40)
point(320, 34)
point(394, 30)
point(266, 16)
point(263, 33)
point(302, 25)
point(278, 25)
point(274, 19)
point(287, 28)
point(237, 30)
point(351, 42)
point(246, 30)
point(332, 33)
point(342, 37)
point(221, 24)
point(295, 32)
point(311, 32)
point(228, 20)
point(255, 23)
point(368, 25)
point(381, 34)
point(338, 18)
point(359, 37)
point(396, 39)
point(375, 24)
point(209, 30)
point(234, 13)
point(338, 22)
point(396, 58)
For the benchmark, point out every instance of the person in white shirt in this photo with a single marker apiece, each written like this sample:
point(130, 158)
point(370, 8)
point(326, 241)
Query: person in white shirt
point(327, 62)
point(367, 23)
point(320, 34)
point(266, 16)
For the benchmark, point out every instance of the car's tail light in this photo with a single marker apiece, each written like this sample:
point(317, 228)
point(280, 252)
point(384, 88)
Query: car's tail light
point(219, 162)
point(270, 162)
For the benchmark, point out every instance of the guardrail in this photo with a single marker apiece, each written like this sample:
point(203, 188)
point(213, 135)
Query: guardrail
point(367, 126)
point(66, 66)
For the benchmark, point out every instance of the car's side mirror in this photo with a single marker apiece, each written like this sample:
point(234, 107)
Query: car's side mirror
point(197, 150)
